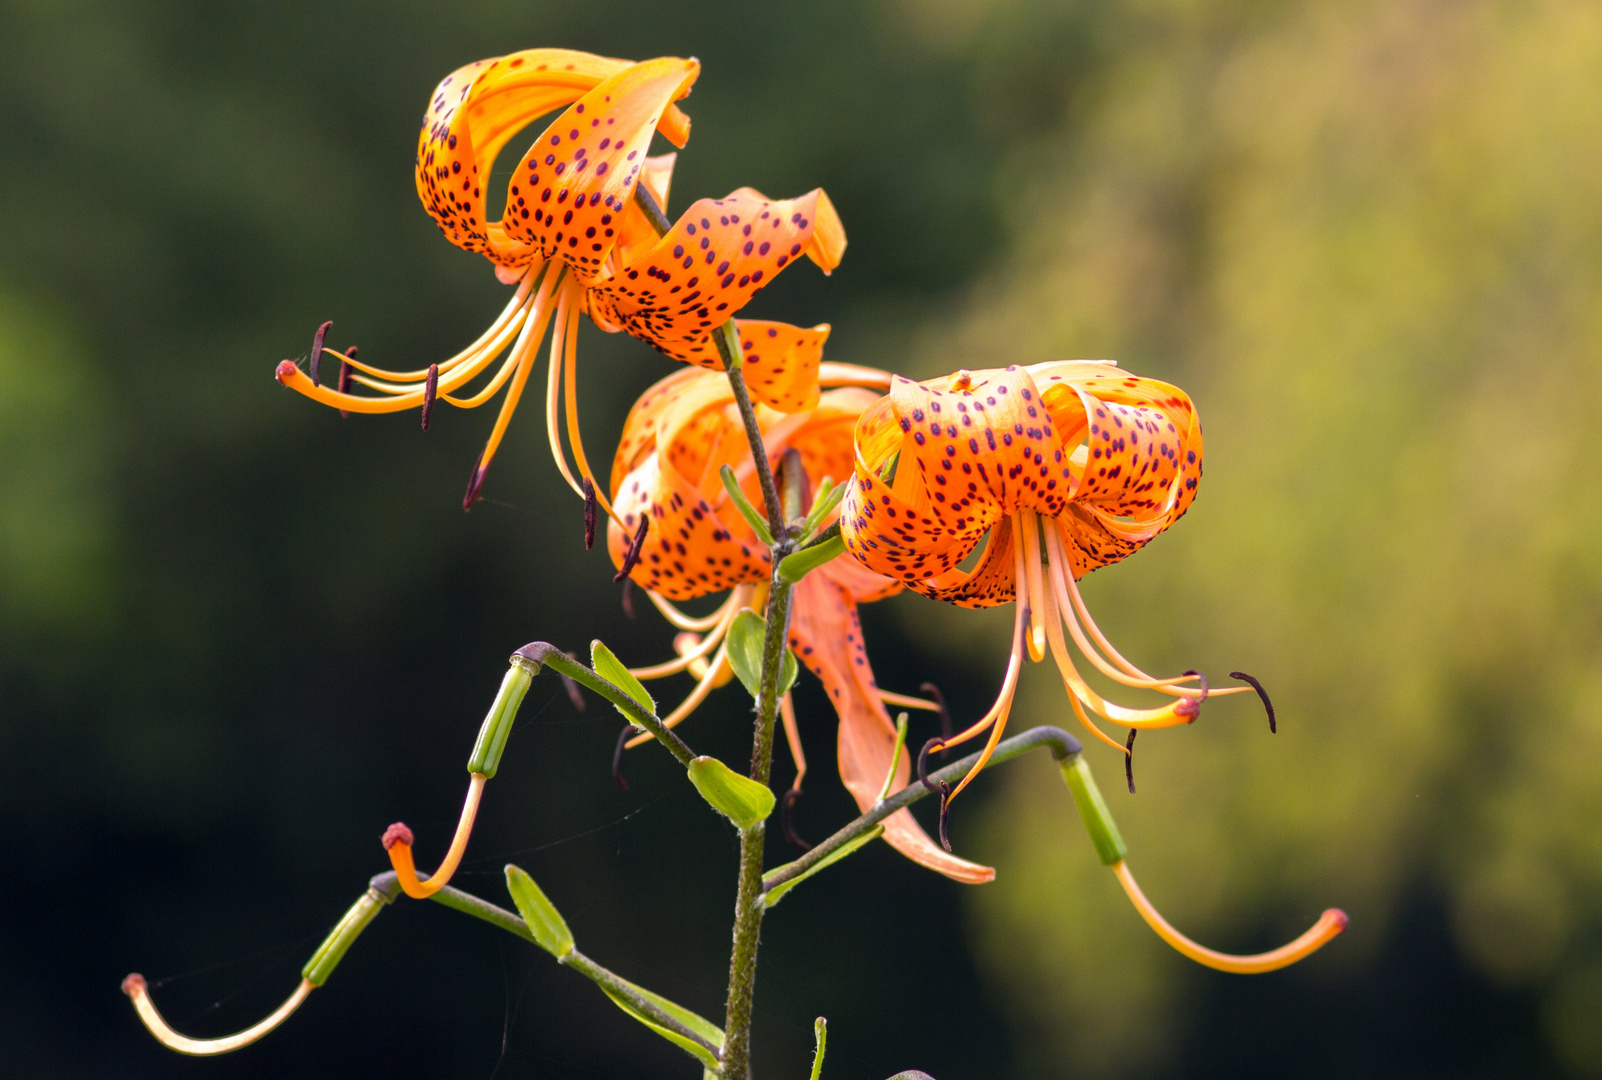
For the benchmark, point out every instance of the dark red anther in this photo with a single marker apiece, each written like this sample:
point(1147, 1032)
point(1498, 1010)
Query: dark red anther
point(1273, 729)
point(945, 808)
point(923, 762)
point(397, 833)
point(345, 372)
point(628, 597)
point(632, 556)
point(1129, 759)
point(786, 809)
point(1191, 706)
point(945, 714)
point(628, 732)
point(316, 361)
point(474, 482)
point(430, 391)
point(592, 513)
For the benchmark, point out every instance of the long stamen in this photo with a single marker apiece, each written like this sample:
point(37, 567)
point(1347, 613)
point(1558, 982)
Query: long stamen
point(691, 703)
point(345, 370)
point(136, 988)
point(474, 351)
point(570, 378)
point(553, 391)
point(738, 597)
point(1063, 585)
point(1329, 924)
point(1179, 712)
point(398, 842)
point(1027, 524)
point(706, 645)
point(1268, 705)
point(792, 736)
point(430, 391)
point(907, 702)
point(996, 719)
point(591, 513)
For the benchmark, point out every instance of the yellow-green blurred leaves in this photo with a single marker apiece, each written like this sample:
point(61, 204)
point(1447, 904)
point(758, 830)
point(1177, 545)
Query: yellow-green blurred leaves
point(55, 519)
point(1367, 238)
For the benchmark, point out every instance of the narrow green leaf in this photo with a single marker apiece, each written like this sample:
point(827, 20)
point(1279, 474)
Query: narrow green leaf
point(797, 566)
point(746, 639)
point(698, 1024)
point(611, 669)
point(739, 798)
point(775, 894)
point(731, 484)
point(544, 921)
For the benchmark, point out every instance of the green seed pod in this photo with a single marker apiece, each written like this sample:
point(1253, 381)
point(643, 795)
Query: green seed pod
point(498, 723)
point(332, 950)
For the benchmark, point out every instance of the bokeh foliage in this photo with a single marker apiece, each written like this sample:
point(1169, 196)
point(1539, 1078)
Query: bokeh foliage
point(242, 636)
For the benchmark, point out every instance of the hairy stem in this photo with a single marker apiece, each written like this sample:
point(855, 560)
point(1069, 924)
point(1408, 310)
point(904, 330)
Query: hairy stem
point(548, 655)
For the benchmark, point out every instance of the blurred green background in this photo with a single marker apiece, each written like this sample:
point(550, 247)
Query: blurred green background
point(240, 636)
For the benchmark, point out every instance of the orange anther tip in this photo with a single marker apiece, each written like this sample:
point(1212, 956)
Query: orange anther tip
point(397, 833)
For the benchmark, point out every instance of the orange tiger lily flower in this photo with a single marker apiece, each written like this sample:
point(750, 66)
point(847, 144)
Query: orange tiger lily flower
point(573, 239)
point(695, 542)
point(1064, 467)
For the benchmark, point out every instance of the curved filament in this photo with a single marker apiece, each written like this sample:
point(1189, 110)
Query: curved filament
point(1329, 924)
point(700, 625)
point(570, 378)
point(907, 701)
point(1028, 526)
point(511, 312)
point(1121, 670)
point(691, 703)
point(707, 644)
point(792, 735)
point(134, 986)
point(400, 850)
point(996, 719)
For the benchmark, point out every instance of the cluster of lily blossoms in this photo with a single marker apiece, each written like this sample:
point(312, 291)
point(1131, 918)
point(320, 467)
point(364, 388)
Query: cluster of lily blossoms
point(979, 488)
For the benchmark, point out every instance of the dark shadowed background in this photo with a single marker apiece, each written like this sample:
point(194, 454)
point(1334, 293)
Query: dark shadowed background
point(239, 636)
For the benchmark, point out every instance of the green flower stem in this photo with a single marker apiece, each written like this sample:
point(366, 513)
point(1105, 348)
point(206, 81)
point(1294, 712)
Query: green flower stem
point(386, 886)
point(544, 654)
point(727, 339)
point(1063, 748)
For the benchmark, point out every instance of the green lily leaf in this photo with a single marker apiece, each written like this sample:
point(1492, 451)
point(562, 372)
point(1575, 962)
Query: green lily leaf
point(775, 894)
point(746, 637)
point(698, 1024)
point(610, 668)
point(739, 798)
point(544, 921)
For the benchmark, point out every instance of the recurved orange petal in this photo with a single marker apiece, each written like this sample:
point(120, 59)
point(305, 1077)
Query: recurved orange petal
point(578, 177)
point(718, 255)
point(826, 634)
point(472, 114)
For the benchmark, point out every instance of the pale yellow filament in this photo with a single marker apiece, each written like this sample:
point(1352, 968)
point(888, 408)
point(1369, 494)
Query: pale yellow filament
point(553, 392)
point(513, 309)
point(134, 986)
point(689, 622)
point(1028, 525)
point(906, 701)
point(400, 855)
point(707, 644)
point(1062, 581)
point(1329, 924)
point(521, 357)
point(691, 703)
point(996, 719)
point(570, 366)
